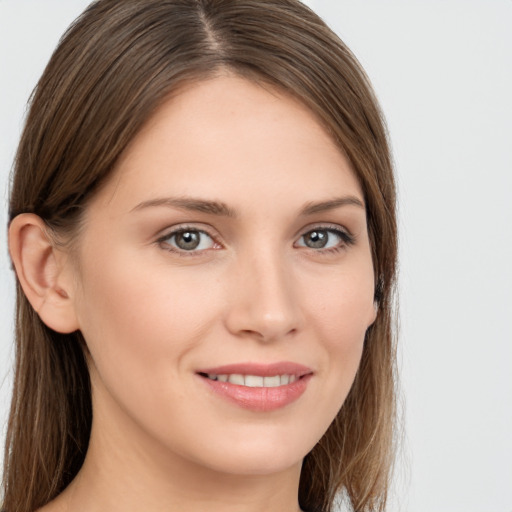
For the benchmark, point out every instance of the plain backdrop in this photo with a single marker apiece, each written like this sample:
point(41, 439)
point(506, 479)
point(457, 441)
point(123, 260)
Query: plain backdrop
point(443, 73)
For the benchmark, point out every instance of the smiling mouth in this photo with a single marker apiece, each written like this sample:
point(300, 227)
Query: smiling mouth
point(258, 387)
point(257, 393)
point(253, 381)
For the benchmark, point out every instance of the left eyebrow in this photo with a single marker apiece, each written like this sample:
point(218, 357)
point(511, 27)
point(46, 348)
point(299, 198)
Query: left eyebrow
point(331, 204)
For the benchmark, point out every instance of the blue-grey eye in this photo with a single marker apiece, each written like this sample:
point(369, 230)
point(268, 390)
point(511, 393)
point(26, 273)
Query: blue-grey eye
point(190, 240)
point(321, 239)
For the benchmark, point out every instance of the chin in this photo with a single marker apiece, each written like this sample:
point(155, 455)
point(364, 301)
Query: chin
point(263, 453)
point(259, 464)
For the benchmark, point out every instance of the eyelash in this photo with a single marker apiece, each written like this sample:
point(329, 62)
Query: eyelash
point(346, 240)
point(163, 241)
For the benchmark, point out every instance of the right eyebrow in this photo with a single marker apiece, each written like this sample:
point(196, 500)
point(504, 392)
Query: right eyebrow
point(190, 204)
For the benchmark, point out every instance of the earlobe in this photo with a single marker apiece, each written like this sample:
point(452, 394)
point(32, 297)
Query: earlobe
point(377, 298)
point(374, 311)
point(43, 272)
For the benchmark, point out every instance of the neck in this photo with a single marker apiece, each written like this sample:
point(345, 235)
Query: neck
point(126, 470)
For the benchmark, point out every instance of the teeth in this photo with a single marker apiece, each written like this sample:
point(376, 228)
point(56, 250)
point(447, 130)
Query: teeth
point(236, 378)
point(271, 382)
point(255, 381)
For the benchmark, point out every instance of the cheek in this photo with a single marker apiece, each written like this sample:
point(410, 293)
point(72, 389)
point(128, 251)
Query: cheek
point(343, 308)
point(341, 313)
point(131, 313)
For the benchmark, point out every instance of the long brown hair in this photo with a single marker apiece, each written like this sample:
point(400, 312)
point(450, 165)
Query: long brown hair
point(112, 69)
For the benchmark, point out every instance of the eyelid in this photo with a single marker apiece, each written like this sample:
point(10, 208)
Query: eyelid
point(345, 234)
point(347, 237)
point(180, 228)
point(326, 226)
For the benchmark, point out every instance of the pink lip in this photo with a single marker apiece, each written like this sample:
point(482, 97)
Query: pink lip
point(259, 399)
point(263, 370)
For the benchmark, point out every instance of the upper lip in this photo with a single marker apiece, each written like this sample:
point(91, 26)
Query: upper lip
point(260, 369)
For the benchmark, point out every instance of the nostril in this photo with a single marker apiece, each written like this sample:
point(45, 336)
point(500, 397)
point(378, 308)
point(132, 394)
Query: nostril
point(262, 310)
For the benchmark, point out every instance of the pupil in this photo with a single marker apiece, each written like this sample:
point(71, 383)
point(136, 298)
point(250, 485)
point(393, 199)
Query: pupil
point(316, 239)
point(187, 240)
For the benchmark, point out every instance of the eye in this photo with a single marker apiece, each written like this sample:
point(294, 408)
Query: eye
point(188, 239)
point(325, 238)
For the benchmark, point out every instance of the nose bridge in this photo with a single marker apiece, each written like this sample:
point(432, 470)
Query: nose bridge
point(264, 303)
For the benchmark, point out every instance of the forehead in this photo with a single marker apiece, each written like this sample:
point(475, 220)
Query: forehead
point(234, 139)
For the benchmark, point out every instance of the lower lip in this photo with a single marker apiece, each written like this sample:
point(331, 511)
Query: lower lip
point(259, 399)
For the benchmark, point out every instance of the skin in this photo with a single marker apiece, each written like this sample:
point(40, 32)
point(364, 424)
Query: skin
point(152, 314)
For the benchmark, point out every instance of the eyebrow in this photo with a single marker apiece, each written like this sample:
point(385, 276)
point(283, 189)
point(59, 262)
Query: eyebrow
point(223, 210)
point(331, 204)
point(190, 203)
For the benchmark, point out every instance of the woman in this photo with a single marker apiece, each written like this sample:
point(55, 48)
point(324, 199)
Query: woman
point(202, 226)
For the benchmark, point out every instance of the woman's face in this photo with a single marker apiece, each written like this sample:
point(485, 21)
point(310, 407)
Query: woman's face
point(231, 241)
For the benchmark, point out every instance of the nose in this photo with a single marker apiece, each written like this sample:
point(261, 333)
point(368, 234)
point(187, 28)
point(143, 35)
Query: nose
point(263, 303)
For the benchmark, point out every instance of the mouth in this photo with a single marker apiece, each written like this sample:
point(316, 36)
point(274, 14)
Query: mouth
point(258, 387)
point(253, 381)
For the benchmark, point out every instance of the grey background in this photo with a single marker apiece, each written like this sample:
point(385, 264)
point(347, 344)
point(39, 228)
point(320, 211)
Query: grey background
point(442, 71)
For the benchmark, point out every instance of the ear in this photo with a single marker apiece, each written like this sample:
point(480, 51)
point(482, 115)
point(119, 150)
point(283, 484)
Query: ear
point(374, 311)
point(379, 286)
point(377, 297)
point(43, 271)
